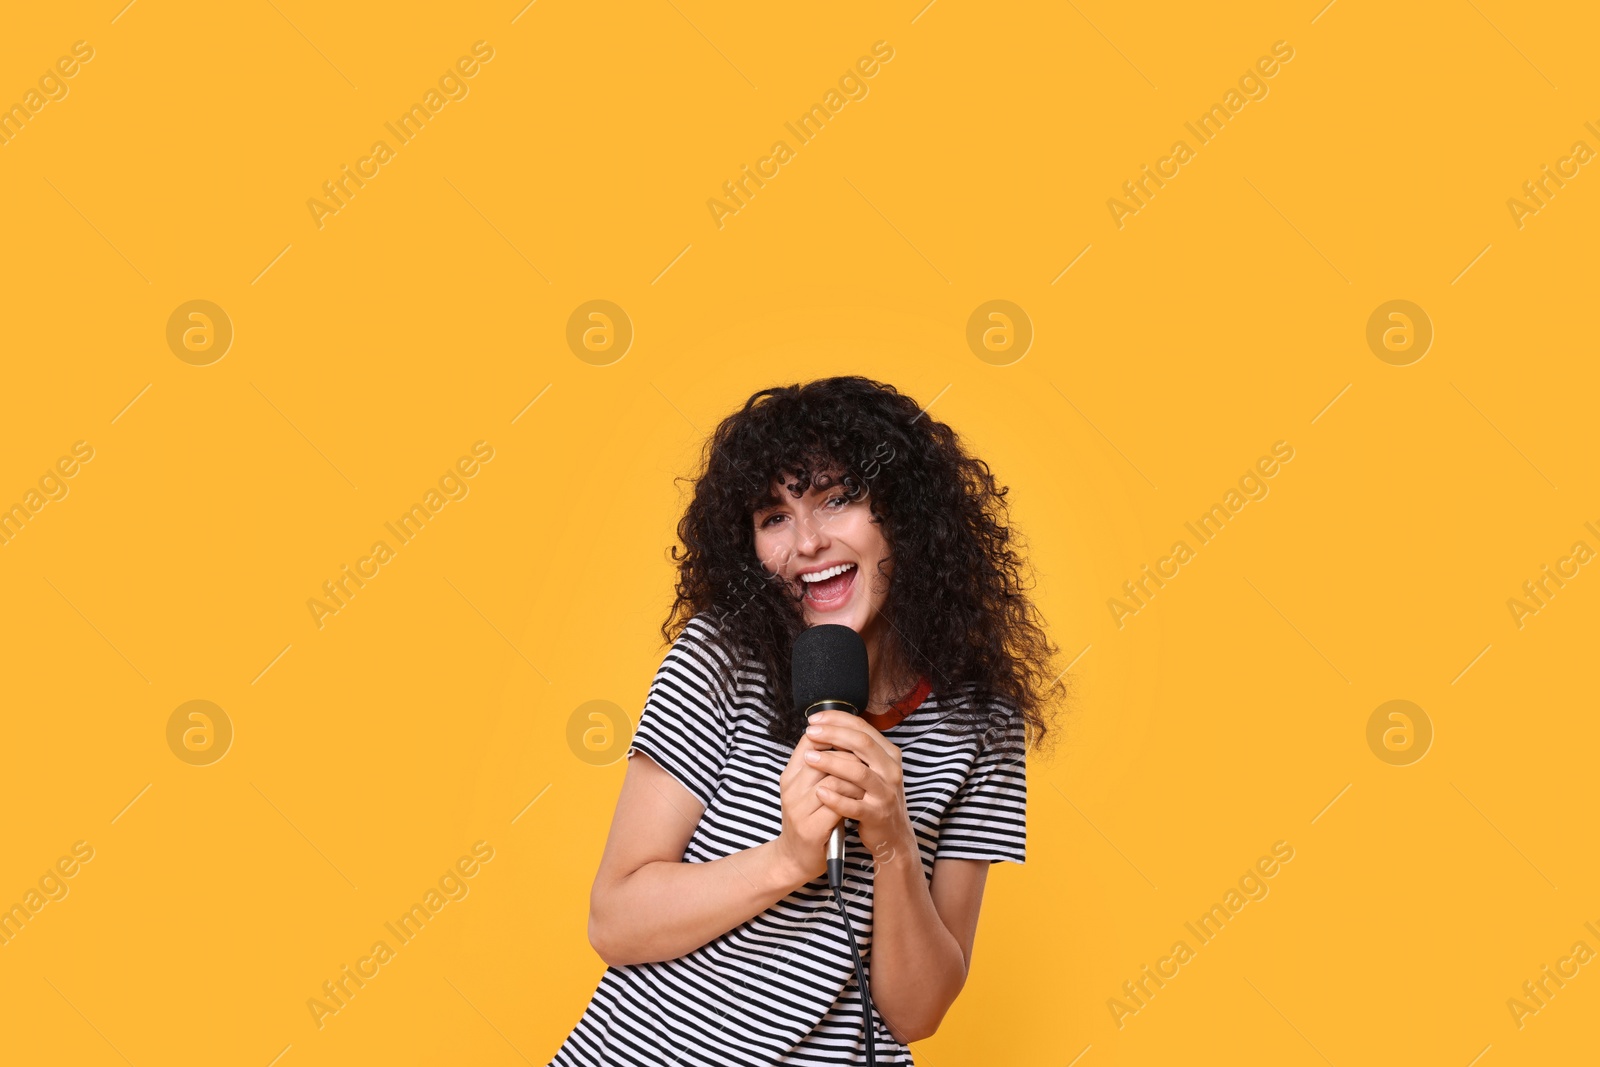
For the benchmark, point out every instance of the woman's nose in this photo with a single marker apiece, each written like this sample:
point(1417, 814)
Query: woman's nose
point(813, 532)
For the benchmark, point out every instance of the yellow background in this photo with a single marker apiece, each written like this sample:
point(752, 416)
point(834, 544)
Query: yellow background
point(427, 314)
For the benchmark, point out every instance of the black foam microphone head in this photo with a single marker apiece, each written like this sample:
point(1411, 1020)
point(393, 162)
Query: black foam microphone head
point(829, 663)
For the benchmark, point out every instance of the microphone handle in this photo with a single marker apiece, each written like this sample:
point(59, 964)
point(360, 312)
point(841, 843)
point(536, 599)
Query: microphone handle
point(835, 855)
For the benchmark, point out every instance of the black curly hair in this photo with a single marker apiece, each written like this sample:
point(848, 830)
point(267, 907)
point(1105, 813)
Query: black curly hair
point(956, 606)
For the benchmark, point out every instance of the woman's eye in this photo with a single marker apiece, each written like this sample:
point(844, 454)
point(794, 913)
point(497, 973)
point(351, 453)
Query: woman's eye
point(768, 520)
point(839, 500)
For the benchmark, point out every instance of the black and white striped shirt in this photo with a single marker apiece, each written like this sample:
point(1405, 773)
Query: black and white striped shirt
point(780, 988)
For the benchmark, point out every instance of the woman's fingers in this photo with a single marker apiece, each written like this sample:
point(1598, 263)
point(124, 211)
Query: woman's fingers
point(844, 765)
point(840, 735)
point(858, 724)
point(854, 739)
point(841, 805)
point(805, 773)
point(842, 787)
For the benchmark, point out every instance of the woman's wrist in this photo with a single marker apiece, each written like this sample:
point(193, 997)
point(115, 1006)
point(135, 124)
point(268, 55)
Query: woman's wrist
point(898, 849)
point(789, 872)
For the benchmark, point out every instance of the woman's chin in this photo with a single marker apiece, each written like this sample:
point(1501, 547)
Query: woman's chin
point(850, 614)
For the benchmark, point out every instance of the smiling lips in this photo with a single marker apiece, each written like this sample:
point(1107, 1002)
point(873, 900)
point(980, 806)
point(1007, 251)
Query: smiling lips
point(830, 588)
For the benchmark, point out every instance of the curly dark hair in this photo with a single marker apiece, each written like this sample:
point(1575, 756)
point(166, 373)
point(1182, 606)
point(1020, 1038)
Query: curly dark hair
point(983, 644)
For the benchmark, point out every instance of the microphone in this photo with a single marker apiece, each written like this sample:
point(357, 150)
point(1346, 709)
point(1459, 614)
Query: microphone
point(829, 672)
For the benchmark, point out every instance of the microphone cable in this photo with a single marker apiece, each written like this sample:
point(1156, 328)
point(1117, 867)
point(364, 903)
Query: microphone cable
point(836, 880)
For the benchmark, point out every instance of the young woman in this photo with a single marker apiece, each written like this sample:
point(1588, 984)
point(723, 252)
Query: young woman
point(835, 502)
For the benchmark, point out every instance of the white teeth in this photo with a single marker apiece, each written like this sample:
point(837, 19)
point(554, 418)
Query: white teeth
point(817, 576)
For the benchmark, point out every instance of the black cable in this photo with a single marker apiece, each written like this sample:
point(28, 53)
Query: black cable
point(836, 880)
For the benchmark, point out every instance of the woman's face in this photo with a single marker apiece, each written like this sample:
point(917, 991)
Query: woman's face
point(826, 533)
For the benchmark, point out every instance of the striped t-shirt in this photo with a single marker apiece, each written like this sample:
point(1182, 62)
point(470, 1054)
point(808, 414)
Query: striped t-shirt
point(780, 988)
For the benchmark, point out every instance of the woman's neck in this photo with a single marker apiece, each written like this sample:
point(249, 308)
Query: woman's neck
point(888, 676)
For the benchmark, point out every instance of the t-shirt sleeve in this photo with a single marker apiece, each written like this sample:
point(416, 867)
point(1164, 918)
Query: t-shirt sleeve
point(685, 723)
point(987, 818)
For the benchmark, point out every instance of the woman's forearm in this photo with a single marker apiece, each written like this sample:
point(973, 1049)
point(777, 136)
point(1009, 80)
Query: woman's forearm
point(918, 967)
point(667, 909)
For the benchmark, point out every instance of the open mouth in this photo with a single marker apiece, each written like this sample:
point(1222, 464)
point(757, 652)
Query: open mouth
point(832, 592)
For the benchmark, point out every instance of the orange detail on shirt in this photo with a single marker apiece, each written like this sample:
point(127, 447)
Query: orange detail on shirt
point(901, 708)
